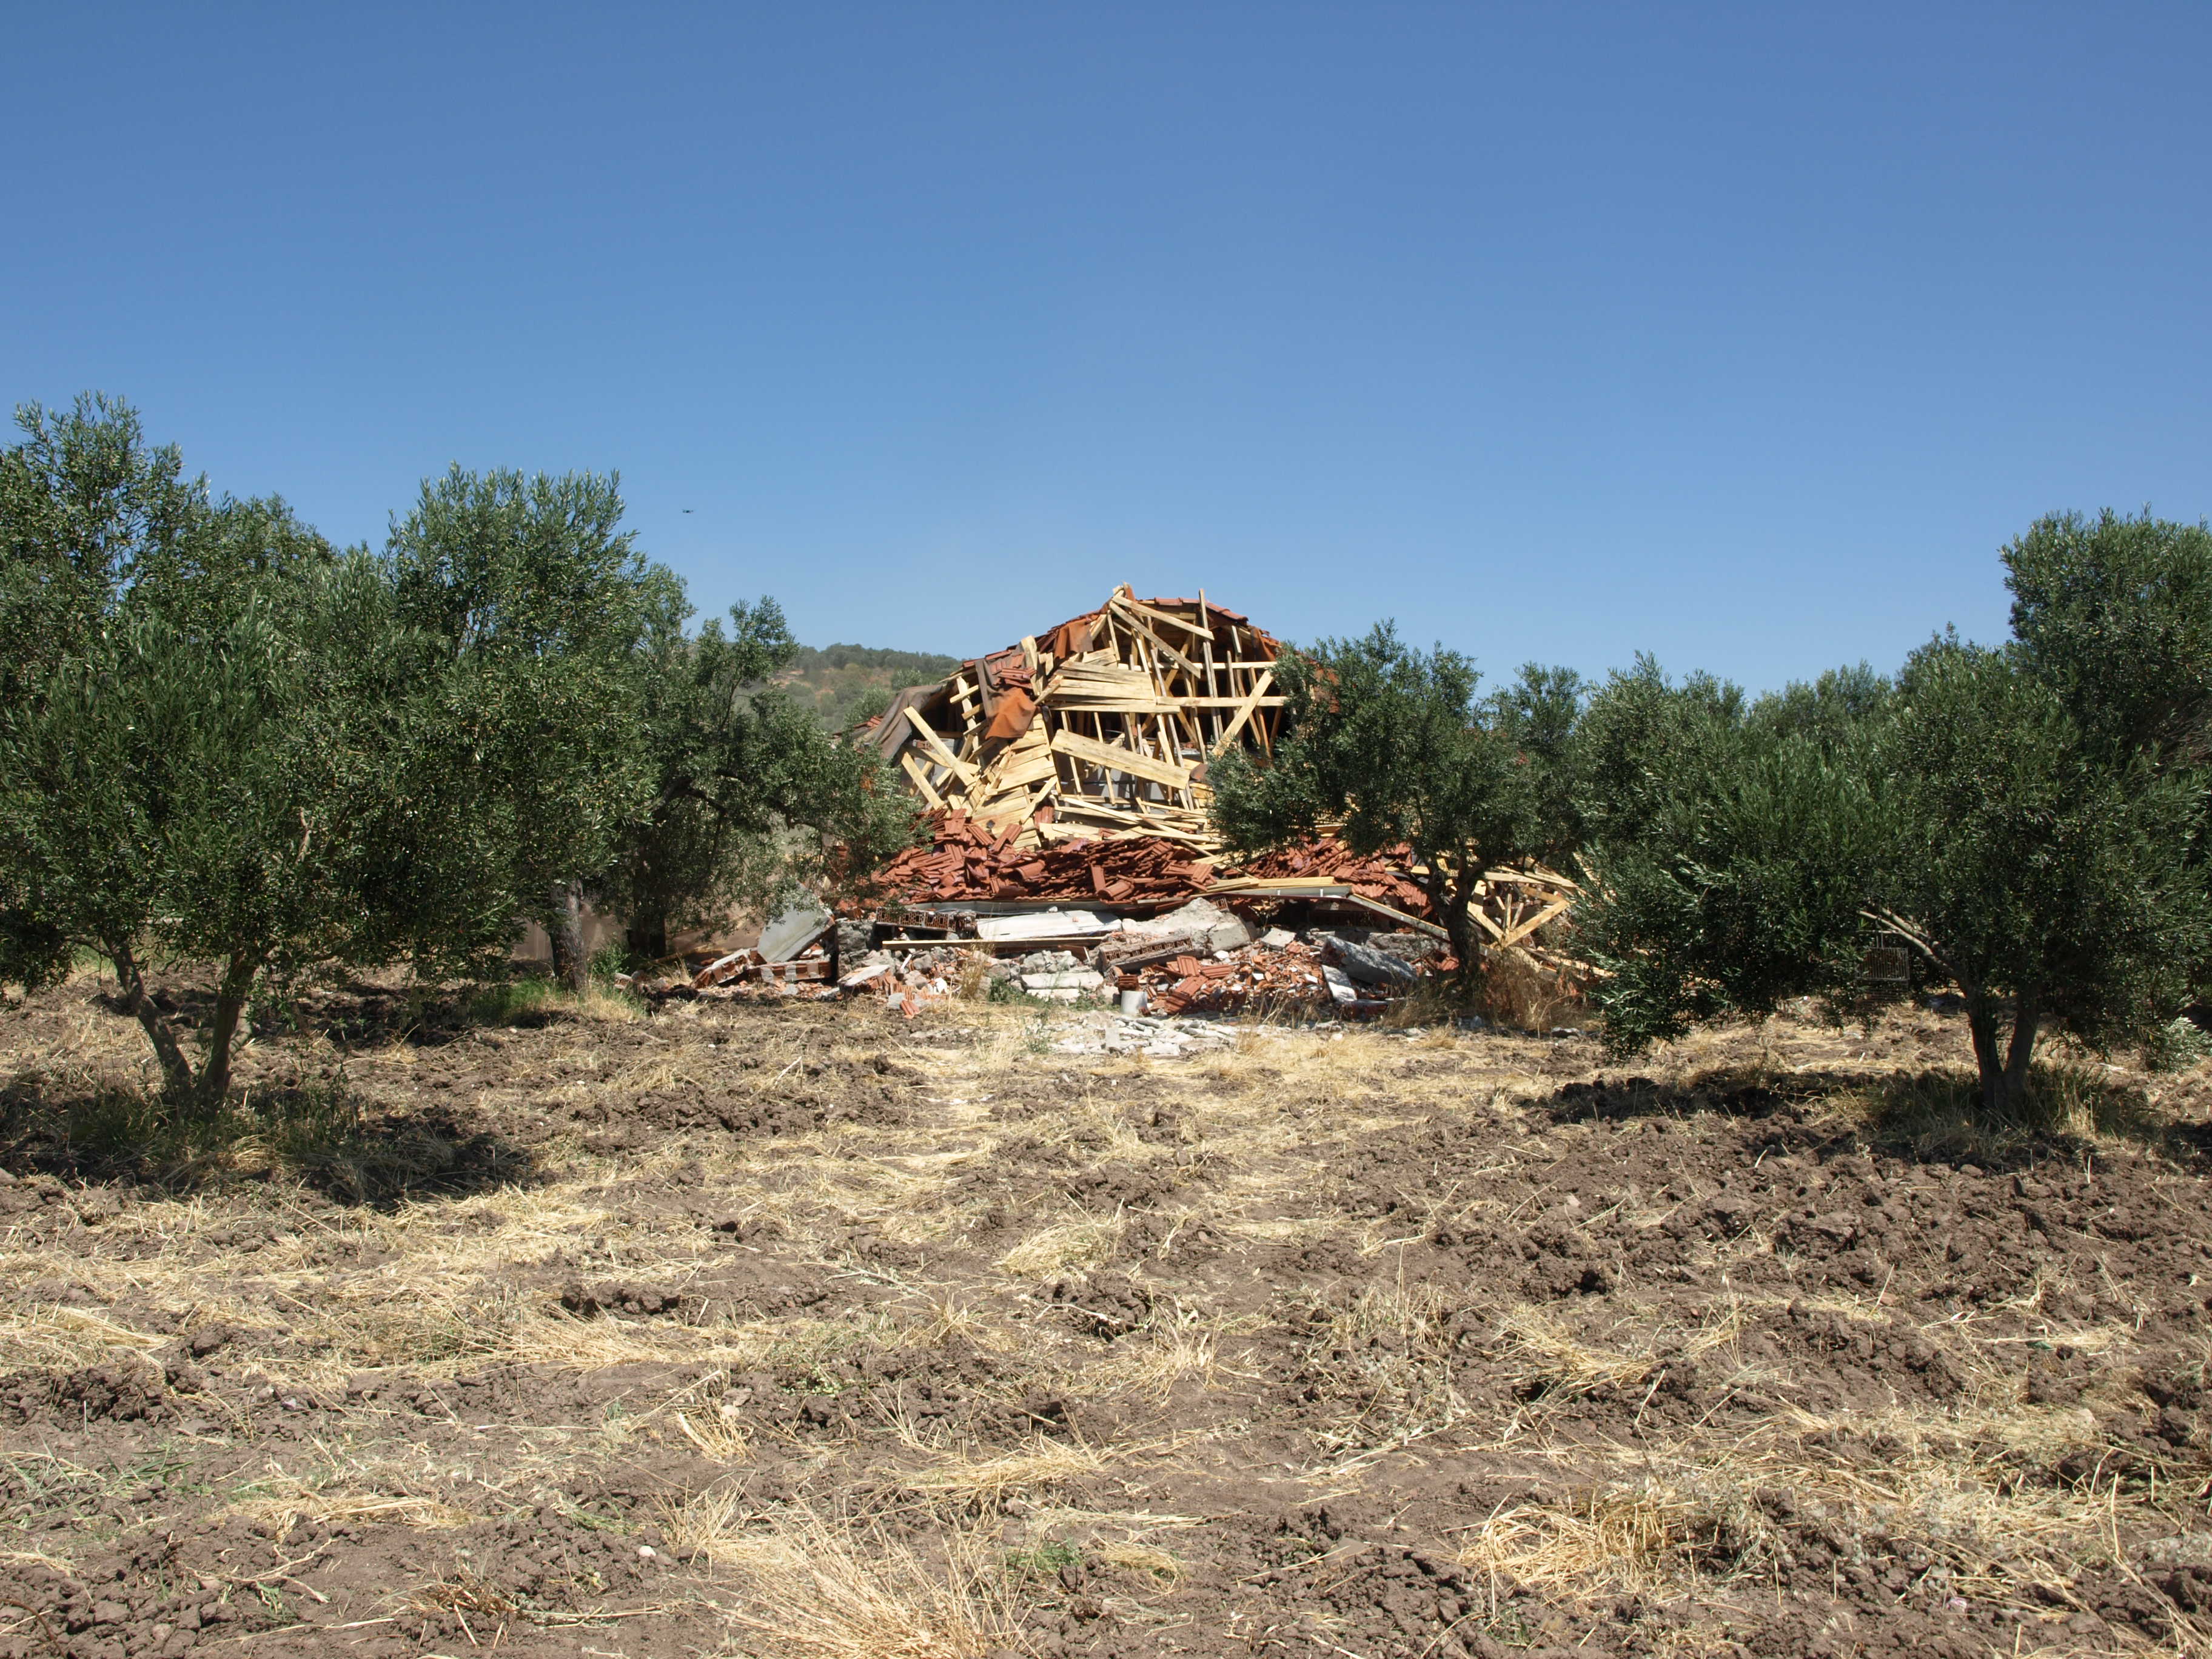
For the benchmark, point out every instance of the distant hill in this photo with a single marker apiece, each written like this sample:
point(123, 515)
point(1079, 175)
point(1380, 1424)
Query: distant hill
point(844, 684)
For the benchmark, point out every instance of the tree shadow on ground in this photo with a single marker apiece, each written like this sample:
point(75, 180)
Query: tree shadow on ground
point(313, 1134)
point(1924, 1118)
point(355, 1014)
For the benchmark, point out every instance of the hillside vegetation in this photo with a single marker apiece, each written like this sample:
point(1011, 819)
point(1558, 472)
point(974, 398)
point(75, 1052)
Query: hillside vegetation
point(844, 684)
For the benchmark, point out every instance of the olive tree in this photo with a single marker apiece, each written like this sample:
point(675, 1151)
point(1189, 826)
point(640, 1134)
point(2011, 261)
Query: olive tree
point(1731, 848)
point(752, 800)
point(228, 747)
point(1394, 743)
point(2029, 818)
point(545, 607)
point(2047, 871)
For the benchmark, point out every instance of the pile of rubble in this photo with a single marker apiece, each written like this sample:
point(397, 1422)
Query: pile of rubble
point(1388, 876)
point(1201, 959)
point(1292, 945)
point(1073, 766)
point(1070, 855)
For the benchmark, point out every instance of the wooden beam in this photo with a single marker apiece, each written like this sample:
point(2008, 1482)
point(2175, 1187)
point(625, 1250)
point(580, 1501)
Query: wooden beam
point(919, 776)
point(1244, 710)
point(1522, 930)
point(1167, 618)
point(1091, 752)
point(1137, 625)
point(943, 756)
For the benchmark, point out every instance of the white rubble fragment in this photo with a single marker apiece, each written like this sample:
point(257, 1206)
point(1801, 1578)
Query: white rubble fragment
point(1224, 929)
point(1042, 924)
point(1070, 979)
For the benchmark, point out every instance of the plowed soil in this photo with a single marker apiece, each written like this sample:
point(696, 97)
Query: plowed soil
point(803, 1329)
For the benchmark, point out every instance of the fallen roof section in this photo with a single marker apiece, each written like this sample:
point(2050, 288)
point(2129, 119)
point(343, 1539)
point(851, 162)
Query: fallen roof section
point(1103, 725)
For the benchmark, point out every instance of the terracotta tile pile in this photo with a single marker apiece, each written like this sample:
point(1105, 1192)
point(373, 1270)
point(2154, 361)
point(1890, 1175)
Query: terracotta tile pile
point(968, 859)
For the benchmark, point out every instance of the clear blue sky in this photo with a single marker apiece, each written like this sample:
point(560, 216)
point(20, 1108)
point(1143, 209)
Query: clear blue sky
point(1743, 334)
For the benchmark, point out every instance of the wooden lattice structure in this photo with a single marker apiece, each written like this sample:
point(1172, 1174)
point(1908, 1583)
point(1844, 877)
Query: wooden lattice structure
point(1104, 726)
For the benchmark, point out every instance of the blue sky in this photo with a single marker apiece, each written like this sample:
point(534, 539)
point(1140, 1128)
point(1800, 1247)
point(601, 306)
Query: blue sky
point(1744, 334)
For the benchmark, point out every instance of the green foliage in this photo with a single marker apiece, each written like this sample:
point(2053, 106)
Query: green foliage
point(2177, 1046)
point(1043, 1560)
point(752, 799)
point(179, 774)
point(1393, 743)
point(2036, 863)
point(1639, 734)
point(2114, 614)
point(1734, 848)
point(908, 667)
point(2029, 818)
point(228, 746)
point(85, 507)
point(546, 608)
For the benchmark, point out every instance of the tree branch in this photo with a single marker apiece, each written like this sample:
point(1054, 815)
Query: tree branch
point(1911, 933)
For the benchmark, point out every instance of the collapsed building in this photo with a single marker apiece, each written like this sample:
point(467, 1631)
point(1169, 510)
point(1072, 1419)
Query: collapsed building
point(1103, 727)
point(1070, 845)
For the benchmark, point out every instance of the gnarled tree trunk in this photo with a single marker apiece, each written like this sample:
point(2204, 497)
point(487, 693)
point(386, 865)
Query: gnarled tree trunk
point(2003, 1062)
point(564, 928)
point(230, 998)
point(130, 983)
point(1453, 901)
point(204, 1090)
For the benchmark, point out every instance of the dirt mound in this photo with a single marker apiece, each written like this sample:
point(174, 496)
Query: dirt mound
point(124, 1391)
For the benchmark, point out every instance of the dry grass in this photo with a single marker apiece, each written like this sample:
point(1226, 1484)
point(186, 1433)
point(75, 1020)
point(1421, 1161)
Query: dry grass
point(1086, 1242)
point(1252, 1385)
point(1553, 1363)
point(816, 1588)
point(1523, 997)
point(1646, 1539)
point(1042, 1465)
point(285, 1501)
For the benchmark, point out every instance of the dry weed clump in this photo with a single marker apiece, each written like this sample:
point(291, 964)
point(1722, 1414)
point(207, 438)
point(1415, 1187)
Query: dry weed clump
point(1066, 1246)
point(967, 1483)
point(1384, 1362)
point(283, 1501)
point(2071, 1096)
point(1521, 996)
point(846, 1590)
point(1647, 1538)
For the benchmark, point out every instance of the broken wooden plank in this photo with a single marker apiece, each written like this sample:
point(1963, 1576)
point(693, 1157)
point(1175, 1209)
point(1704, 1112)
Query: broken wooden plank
point(942, 756)
point(1091, 752)
point(1522, 930)
point(918, 775)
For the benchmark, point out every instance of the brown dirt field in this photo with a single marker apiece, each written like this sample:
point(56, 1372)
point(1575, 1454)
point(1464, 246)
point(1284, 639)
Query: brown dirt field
point(802, 1330)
